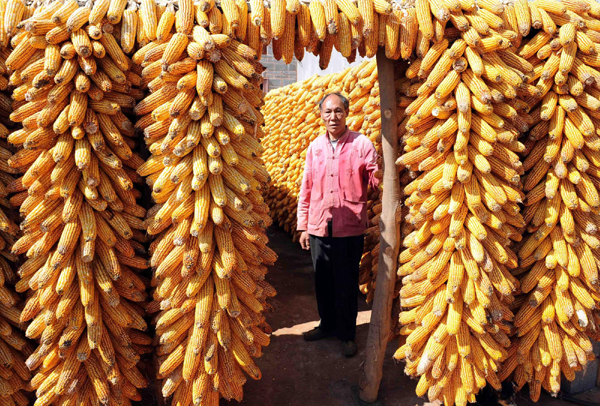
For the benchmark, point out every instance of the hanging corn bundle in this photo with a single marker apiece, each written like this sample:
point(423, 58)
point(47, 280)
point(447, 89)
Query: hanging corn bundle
point(460, 134)
point(14, 349)
point(82, 229)
point(557, 314)
point(321, 26)
point(202, 127)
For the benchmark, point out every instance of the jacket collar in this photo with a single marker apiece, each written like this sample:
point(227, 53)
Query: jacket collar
point(342, 138)
point(341, 141)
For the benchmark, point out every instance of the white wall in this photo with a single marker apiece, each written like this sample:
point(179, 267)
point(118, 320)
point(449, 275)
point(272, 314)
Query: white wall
point(310, 65)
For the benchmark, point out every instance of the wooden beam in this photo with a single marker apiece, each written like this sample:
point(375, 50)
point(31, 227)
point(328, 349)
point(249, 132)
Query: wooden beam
point(379, 327)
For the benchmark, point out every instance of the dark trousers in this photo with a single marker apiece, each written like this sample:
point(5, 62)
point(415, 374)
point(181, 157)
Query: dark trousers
point(336, 261)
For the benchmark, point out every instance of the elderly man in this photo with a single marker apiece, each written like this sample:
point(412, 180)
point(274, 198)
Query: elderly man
point(332, 216)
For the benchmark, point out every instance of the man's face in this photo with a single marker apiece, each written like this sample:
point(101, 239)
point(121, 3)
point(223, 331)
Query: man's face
point(334, 115)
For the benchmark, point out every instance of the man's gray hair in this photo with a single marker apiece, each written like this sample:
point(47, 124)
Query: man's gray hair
point(343, 98)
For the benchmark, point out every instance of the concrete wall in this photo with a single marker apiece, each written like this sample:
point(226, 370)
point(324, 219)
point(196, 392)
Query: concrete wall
point(278, 73)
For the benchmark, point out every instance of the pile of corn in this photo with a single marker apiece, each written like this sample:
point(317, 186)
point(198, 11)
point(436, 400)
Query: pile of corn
point(202, 127)
point(292, 122)
point(81, 227)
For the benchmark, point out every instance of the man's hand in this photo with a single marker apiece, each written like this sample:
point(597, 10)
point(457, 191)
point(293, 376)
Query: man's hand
point(305, 240)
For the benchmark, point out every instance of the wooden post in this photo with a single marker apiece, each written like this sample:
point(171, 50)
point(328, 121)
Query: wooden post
point(379, 327)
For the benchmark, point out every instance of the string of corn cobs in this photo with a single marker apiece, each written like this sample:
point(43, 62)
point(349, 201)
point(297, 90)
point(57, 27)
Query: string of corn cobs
point(460, 136)
point(82, 230)
point(351, 28)
point(551, 99)
point(202, 127)
point(557, 313)
point(14, 348)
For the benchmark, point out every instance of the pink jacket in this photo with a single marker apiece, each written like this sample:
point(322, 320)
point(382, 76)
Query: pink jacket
point(334, 186)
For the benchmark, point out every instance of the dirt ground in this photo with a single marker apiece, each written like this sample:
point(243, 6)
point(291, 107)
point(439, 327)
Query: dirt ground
point(297, 373)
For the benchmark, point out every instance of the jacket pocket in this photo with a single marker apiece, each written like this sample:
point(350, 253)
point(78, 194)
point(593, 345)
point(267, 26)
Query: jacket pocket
point(352, 209)
point(351, 178)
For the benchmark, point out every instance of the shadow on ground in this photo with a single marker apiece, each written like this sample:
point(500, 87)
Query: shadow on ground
point(296, 373)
